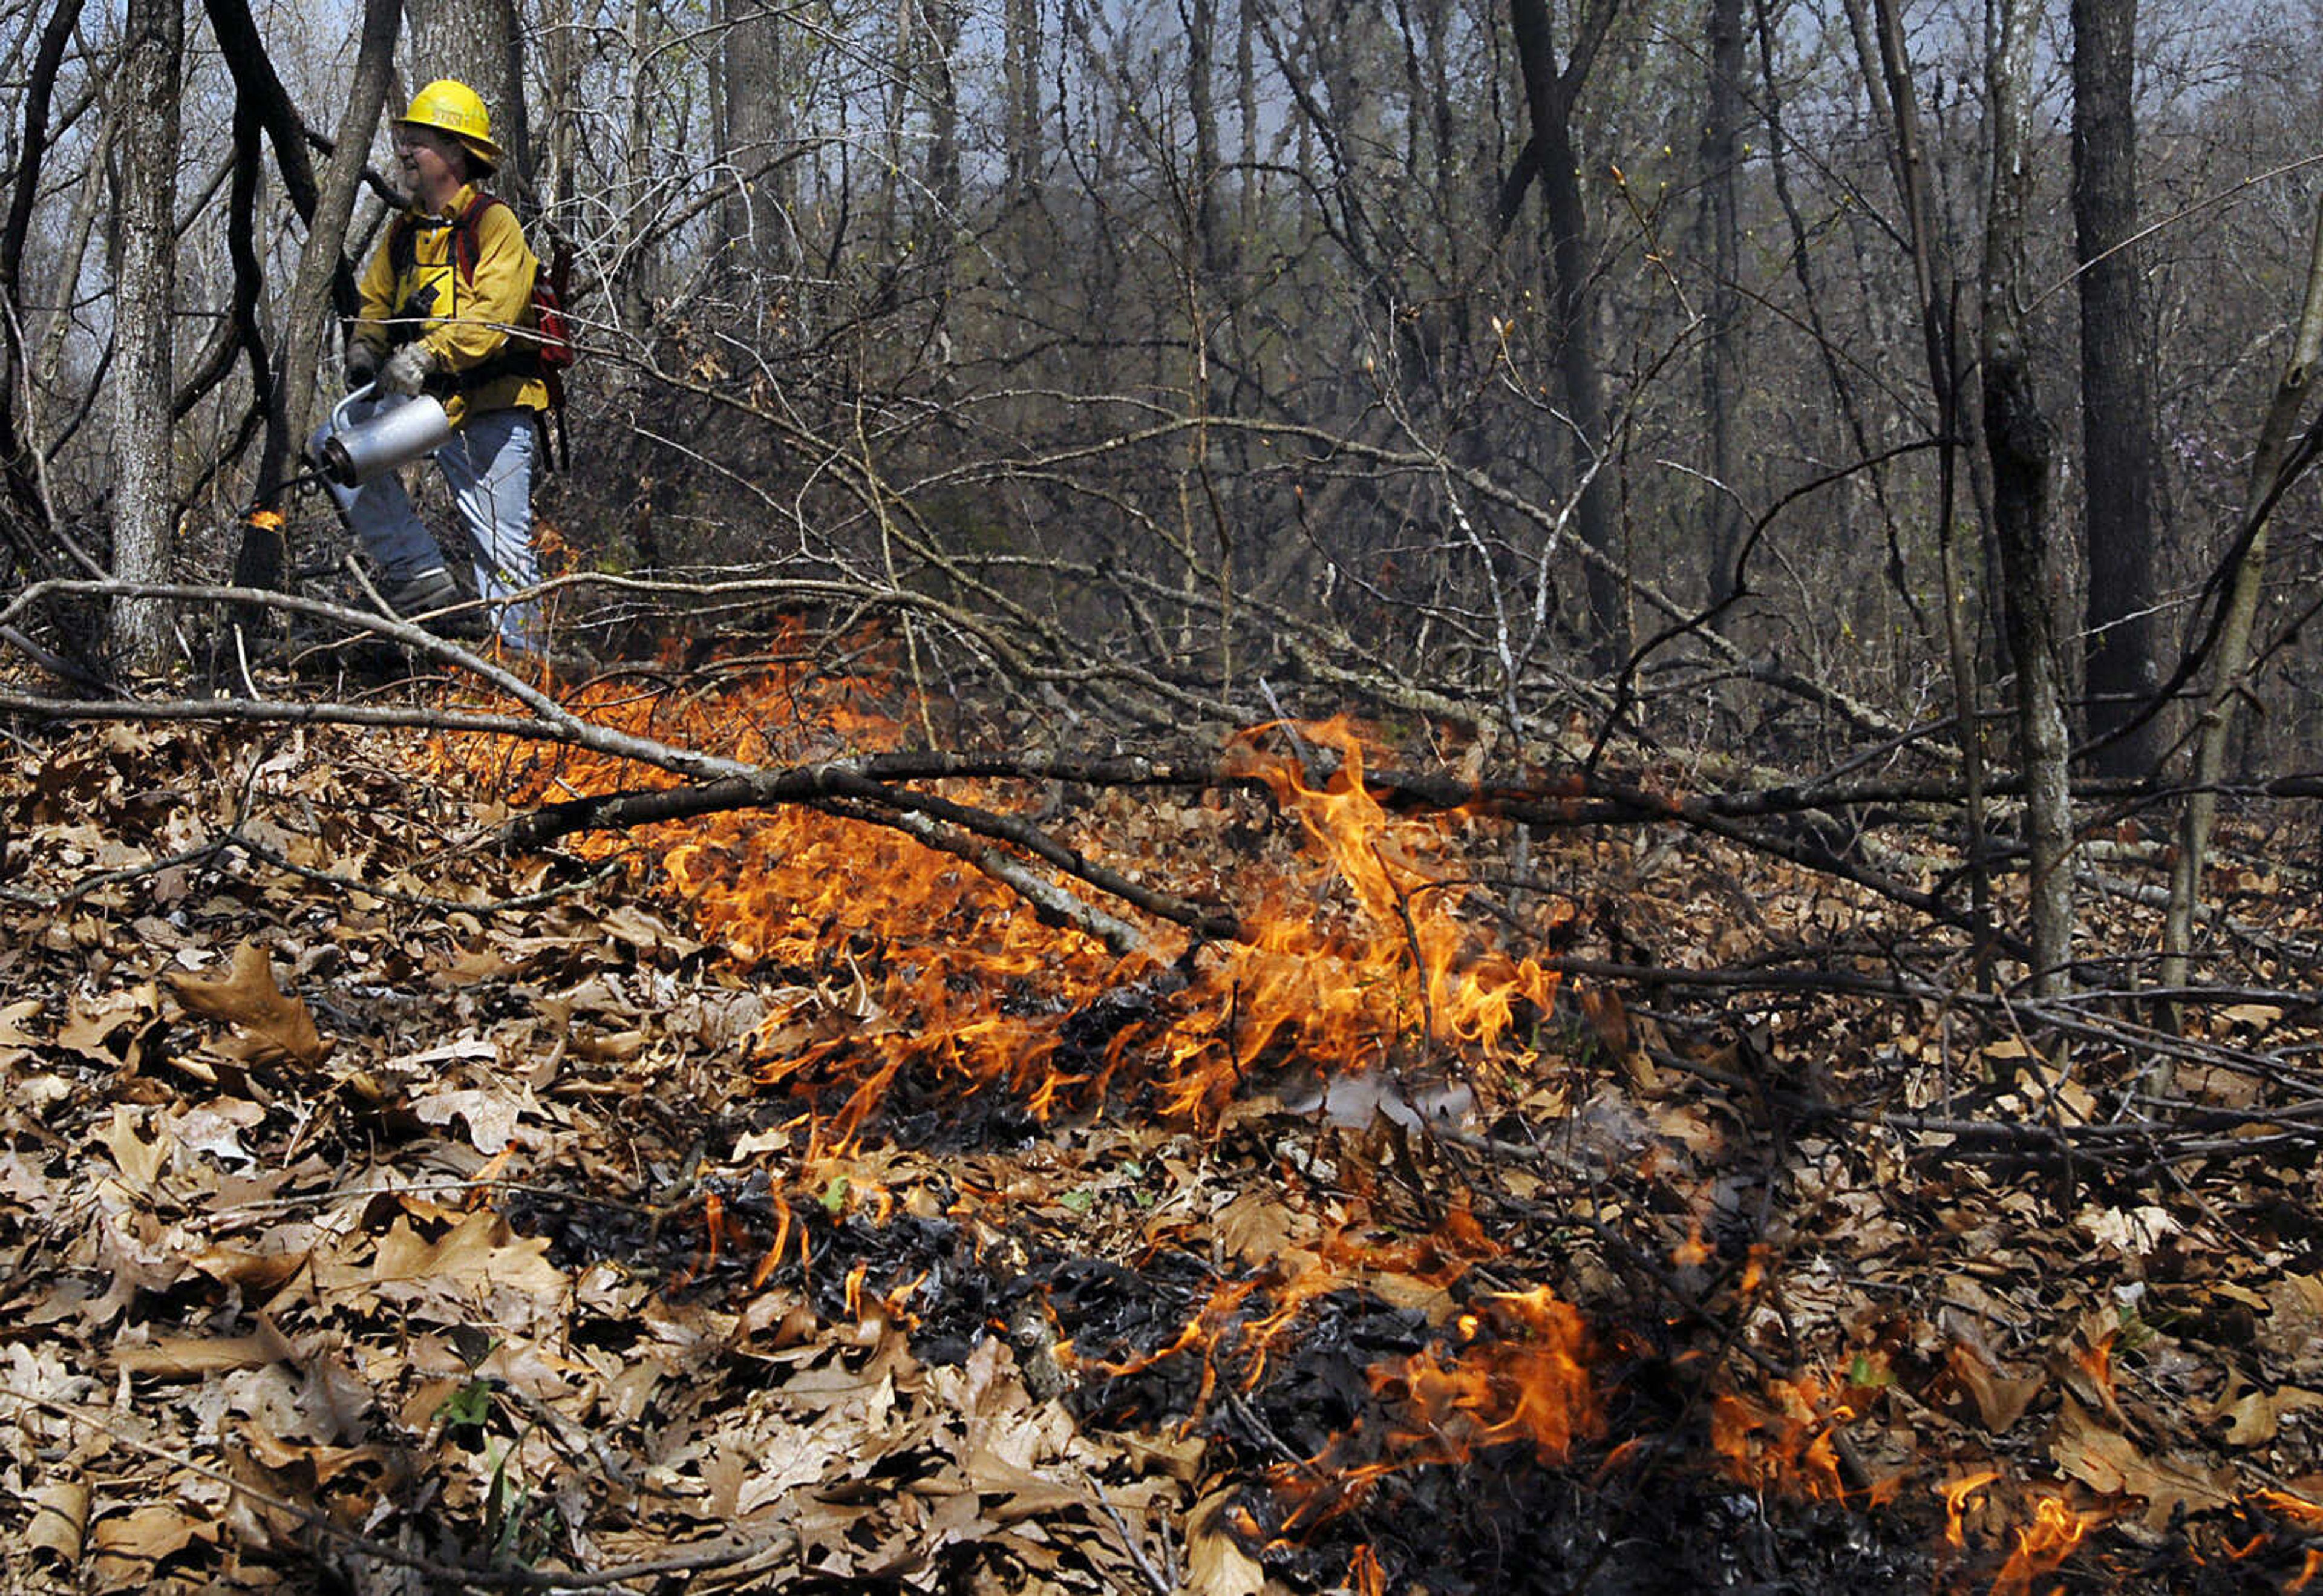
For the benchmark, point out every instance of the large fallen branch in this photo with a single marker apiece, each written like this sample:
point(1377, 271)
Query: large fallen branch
point(872, 781)
point(891, 788)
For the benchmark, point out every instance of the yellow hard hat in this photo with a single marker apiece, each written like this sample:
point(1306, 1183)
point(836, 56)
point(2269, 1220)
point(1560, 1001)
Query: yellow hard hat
point(457, 109)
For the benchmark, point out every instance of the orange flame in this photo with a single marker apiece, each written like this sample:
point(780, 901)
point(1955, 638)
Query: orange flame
point(2283, 1504)
point(1783, 1444)
point(898, 964)
point(1522, 1374)
point(1956, 1495)
point(774, 1258)
point(2056, 1532)
point(2096, 1360)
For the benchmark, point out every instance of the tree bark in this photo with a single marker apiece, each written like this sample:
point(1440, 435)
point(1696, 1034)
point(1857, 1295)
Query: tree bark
point(2021, 442)
point(1721, 350)
point(23, 188)
point(758, 217)
point(322, 265)
point(1887, 71)
point(1201, 20)
point(478, 42)
point(2117, 398)
point(943, 217)
point(143, 494)
point(902, 52)
point(1551, 94)
point(1021, 91)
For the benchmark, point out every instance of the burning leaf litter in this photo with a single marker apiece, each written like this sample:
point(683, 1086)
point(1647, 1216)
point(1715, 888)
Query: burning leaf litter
point(812, 1205)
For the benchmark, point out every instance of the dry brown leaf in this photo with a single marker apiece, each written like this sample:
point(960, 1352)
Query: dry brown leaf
point(176, 1357)
point(128, 1545)
point(2256, 1015)
point(1175, 1456)
point(467, 967)
point(765, 1467)
point(258, 1273)
point(140, 1161)
point(2291, 1333)
point(1215, 1563)
point(1022, 1492)
point(1257, 1229)
point(2257, 1415)
point(491, 1116)
point(2133, 1232)
point(60, 1522)
point(2000, 1401)
point(2212, 1083)
point(289, 1457)
point(13, 1034)
point(645, 932)
point(1601, 1008)
point(1401, 1290)
point(2109, 1462)
point(90, 1033)
point(480, 1265)
point(246, 998)
point(615, 1047)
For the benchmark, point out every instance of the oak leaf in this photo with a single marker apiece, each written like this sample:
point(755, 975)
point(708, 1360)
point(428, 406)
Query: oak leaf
point(246, 998)
point(1215, 1563)
point(2111, 1464)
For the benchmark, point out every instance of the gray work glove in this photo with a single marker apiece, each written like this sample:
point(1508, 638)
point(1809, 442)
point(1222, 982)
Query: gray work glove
point(362, 364)
point(407, 370)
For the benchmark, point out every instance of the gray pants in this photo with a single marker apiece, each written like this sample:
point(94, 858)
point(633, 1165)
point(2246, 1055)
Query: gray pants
point(487, 466)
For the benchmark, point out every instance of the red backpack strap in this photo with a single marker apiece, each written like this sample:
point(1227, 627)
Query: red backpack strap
point(464, 247)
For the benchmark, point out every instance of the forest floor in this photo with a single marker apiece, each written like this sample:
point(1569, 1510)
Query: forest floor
point(766, 1200)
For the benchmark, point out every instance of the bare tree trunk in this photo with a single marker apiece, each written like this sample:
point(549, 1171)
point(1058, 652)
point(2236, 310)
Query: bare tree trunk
point(756, 133)
point(942, 201)
point(1021, 68)
point(2117, 398)
point(1551, 94)
point(556, 165)
point(143, 494)
point(307, 318)
point(898, 110)
point(16, 451)
point(2021, 442)
point(636, 292)
point(1251, 209)
point(260, 561)
point(478, 42)
point(1721, 352)
point(1888, 73)
point(1201, 53)
point(2226, 686)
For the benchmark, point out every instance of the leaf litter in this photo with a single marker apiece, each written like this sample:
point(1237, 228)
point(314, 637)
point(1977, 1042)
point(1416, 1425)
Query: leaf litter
point(791, 1205)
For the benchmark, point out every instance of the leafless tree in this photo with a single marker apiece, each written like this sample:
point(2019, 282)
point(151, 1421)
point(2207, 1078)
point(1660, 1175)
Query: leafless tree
point(145, 499)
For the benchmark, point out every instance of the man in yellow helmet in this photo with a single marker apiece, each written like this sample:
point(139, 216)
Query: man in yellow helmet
point(444, 292)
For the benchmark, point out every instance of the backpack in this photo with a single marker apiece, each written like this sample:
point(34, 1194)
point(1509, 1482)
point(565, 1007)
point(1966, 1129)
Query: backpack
point(545, 350)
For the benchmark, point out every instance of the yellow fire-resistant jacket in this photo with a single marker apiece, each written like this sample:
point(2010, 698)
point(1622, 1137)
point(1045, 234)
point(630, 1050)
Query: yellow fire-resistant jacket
point(465, 324)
